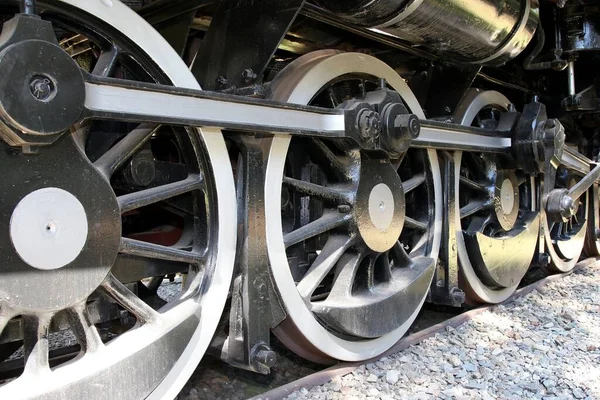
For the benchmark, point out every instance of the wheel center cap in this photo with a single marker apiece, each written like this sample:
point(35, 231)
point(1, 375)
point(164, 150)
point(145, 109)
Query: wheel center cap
point(507, 196)
point(49, 228)
point(381, 206)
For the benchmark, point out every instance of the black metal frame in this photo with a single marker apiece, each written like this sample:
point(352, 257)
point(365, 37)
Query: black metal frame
point(230, 54)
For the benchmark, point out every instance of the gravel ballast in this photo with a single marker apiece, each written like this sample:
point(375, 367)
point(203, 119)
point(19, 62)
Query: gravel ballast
point(544, 345)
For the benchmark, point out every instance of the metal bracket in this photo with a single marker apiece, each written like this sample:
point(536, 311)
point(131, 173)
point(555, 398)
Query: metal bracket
point(254, 306)
point(173, 19)
point(230, 54)
point(444, 287)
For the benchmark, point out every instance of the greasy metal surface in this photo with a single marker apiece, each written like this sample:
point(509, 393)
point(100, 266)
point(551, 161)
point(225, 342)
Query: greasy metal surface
point(445, 136)
point(113, 99)
point(572, 159)
point(481, 31)
point(584, 184)
point(318, 14)
point(564, 241)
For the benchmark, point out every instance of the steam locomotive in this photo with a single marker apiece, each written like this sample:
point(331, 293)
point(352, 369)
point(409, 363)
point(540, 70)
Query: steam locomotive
point(182, 177)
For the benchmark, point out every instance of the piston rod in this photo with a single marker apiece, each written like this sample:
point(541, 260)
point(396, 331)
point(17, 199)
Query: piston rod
point(585, 183)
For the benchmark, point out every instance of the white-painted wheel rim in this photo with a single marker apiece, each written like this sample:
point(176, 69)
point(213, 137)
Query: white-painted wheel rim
point(131, 25)
point(327, 66)
point(484, 293)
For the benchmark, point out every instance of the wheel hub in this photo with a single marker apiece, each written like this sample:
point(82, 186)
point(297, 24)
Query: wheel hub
point(506, 202)
point(507, 196)
point(63, 228)
point(380, 207)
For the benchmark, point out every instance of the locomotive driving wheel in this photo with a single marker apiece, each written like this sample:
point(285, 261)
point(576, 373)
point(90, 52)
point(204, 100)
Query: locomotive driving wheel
point(92, 223)
point(497, 223)
point(352, 236)
point(565, 240)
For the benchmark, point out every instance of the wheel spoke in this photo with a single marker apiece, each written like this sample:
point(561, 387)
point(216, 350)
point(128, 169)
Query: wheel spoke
point(370, 281)
point(84, 330)
point(399, 255)
point(106, 63)
point(328, 221)
point(153, 195)
point(150, 250)
point(336, 196)
point(344, 280)
point(332, 98)
point(472, 184)
point(473, 207)
point(332, 251)
point(35, 342)
point(114, 158)
point(119, 292)
point(413, 183)
point(386, 266)
point(414, 224)
point(332, 160)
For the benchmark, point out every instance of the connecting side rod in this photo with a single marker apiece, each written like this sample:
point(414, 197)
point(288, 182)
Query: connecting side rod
point(574, 160)
point(114, 99)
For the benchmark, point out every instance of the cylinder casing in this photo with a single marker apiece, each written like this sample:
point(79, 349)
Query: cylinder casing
point(476, 31)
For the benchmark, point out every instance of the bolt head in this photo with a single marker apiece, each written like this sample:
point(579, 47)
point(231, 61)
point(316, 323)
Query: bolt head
point(369, 124)
point(41, 87)
point(268, 358)
point(248, 75)
point(344, 208)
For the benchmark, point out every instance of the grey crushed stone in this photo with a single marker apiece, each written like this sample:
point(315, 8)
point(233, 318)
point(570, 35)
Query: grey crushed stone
point(545, 345)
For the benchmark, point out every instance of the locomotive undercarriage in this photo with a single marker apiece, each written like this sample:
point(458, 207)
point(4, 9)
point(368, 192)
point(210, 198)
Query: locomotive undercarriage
point(328, 180)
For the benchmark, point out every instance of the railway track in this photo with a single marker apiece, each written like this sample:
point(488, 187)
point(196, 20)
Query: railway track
point(214, 379)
